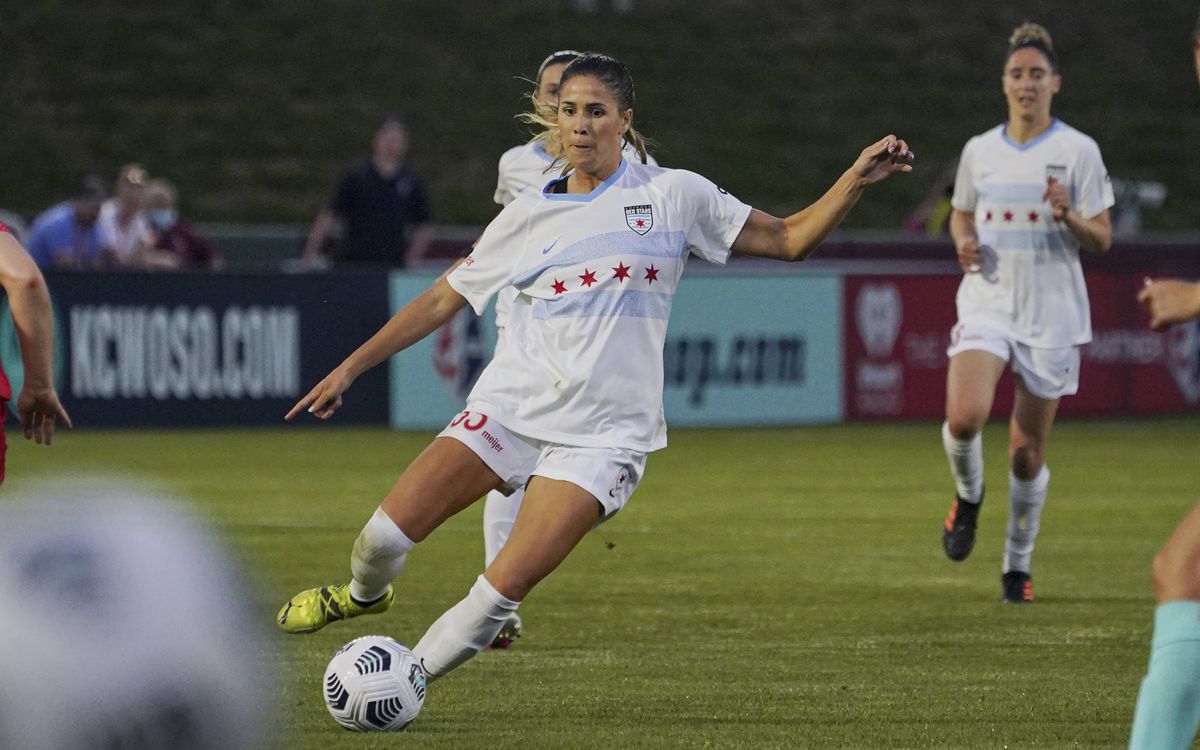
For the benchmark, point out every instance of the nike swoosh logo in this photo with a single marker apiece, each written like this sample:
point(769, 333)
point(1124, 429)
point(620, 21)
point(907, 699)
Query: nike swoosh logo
point(550, 247)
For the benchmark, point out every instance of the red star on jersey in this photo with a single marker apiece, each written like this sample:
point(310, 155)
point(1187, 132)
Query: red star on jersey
point(621, 272)
point(588, 278)
point(988, 217)
point(559, 287)
point(1008, 215)
point(652, 274)
point(640, 223)
point(1033, 217)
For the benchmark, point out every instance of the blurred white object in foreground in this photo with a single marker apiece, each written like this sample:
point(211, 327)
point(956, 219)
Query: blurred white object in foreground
point(123, 625)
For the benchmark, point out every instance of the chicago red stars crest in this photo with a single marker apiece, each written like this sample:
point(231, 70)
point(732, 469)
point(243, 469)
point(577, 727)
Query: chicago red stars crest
point(639, 218)
point(619, 485)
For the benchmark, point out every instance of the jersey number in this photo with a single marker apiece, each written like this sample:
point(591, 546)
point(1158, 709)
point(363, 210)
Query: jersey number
point(461, 419)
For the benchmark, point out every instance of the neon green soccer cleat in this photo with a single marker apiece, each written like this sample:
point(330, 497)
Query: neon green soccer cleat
point(311, 610)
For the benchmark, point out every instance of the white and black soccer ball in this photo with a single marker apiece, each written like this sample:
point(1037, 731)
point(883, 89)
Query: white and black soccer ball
point(124, 625)
point(374, 684)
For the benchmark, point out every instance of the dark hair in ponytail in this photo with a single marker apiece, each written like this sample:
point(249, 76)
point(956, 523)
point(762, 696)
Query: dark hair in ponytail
point(614, 75)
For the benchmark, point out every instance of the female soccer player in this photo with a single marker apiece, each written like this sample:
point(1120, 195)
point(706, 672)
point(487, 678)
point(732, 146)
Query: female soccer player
point(1029, 193)
point(523, 168)
point(571, 405)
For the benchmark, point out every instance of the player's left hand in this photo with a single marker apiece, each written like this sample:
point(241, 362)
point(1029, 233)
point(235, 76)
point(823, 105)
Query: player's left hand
point(1058, 196)
point(39, 410)
point(882, 158)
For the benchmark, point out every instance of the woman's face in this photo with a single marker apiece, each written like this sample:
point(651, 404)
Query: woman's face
point(547, 88)
point(1030, 84)
point(591, 124)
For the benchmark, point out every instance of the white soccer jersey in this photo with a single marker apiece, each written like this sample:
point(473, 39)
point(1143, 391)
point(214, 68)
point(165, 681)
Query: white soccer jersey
point(1032, 283)
point(524, 168)
point(595, 276)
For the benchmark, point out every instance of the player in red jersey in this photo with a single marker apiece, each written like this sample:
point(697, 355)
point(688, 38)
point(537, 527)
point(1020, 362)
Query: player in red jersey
point(29, 302)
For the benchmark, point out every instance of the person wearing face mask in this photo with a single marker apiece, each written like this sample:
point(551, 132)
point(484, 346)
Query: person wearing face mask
point(173, 243)
point(1028, 195)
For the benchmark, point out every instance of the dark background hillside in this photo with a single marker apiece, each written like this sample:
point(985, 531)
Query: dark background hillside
point(254, 108)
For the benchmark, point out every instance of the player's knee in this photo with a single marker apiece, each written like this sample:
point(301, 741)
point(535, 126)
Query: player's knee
point(964, 426)
point(1026, 460)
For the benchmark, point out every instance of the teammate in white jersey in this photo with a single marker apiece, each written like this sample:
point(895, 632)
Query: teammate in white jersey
point(1029, 193)
point(572, 403)
point(525, 168)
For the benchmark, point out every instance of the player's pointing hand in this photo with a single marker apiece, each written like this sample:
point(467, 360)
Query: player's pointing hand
point(325, 398)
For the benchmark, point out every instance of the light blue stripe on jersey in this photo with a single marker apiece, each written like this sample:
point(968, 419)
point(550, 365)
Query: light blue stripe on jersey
point(608, 245)
point(1023, 239)
point(622, 304)
point(1014, 193)
point(584, 197)
point(1029, 144)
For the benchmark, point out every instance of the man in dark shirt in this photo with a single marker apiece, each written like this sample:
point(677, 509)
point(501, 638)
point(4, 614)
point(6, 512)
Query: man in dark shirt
point(382, 206)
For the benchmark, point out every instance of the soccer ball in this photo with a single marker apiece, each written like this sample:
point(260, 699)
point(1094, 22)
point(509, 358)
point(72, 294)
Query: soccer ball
point(124, 625)
point(374, 684)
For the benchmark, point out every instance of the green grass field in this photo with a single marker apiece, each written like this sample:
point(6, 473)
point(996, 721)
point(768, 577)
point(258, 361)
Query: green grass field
point(764, 588)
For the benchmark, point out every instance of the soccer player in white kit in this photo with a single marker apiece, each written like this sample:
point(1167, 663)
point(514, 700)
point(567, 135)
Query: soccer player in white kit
point(1028, 194)
point(523, 168)
point(572, 403)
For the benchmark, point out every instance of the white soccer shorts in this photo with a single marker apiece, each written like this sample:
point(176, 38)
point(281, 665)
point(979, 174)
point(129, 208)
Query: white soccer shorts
point(609, 474)
point(1048, 373)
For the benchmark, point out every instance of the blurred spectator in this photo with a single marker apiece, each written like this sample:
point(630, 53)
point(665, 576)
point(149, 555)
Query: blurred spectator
point(66, 235)
point(932, 216)
point(16, 225)
point(122, 225)
point(1134, 199)
point(382, 206)
point(172, 243)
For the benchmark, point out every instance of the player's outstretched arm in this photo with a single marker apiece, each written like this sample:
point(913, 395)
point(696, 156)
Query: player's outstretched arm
point(795, 237)
point(417, 320)
point(37, 404)
point(1170, 301)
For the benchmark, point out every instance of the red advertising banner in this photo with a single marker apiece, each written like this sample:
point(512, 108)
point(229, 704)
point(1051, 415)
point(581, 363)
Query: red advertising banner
point(897, 329)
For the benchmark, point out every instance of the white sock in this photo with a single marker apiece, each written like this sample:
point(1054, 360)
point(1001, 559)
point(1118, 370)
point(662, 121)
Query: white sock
point(499, 514)
point(464, 629)
point(378, 557)
point(1026, 500)
point(966, 464)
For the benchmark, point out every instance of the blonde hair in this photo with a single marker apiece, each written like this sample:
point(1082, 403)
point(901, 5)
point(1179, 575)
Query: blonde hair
point(1033, 35)
point(615, 77)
